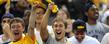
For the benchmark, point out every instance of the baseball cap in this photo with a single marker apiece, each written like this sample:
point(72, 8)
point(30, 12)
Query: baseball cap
point(79, 25)
point(8, 15)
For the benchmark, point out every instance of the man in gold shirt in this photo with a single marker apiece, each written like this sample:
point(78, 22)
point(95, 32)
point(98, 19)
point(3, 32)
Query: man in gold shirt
point(17, 27)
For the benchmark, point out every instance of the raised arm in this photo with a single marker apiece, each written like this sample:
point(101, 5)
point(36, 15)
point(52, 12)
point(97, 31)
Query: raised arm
point(44, 32)
point(31, 25)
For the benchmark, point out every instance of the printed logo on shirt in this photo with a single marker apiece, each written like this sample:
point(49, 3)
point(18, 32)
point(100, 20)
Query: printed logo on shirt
point(98, 34)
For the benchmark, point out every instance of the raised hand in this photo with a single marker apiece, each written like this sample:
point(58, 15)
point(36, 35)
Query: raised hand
point(51, 5)
point(7, 32)
point(54, 8)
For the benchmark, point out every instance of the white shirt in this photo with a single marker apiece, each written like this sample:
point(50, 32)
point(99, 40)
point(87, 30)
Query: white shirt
point(38, 37)
point(97, 31)
point(105, 39)
point(1, 41)
point(50, 31)
point(86, 40)
point(104, 17)
point(51, 40)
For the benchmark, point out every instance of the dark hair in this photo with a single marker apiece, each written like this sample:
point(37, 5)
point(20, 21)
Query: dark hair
point(18, 20)
point(88, 5)
point(59, 19)
point(77, 23)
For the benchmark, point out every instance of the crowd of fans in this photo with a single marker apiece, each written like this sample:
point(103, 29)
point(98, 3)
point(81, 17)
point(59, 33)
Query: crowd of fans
point(54, 21)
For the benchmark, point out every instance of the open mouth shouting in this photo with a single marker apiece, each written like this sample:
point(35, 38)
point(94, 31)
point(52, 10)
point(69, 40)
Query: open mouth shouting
point(16, 34)
point(58, 33)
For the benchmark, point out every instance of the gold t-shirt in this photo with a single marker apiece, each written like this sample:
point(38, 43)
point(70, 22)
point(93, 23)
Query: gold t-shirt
point(25, 40)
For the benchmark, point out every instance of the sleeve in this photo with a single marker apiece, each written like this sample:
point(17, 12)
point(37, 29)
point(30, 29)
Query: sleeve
point(71, 40)
point(49, 40)
point(92, 40)
point(31, 40)
point(97, 42)
point(105, 39)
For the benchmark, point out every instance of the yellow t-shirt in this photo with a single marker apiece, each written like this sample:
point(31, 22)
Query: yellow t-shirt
point(25, 40)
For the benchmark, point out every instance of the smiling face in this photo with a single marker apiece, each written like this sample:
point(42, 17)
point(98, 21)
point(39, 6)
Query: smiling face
point(79, 29)
point(79, 35)
point(59, 30)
